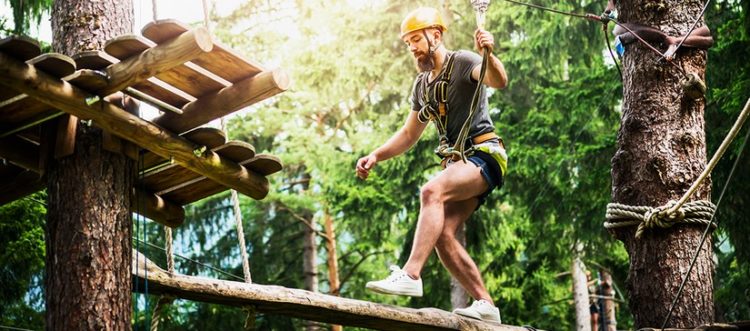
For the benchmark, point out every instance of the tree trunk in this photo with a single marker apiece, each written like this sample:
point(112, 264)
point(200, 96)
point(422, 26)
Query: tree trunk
point(661, 151)
point(459, 296)
point(310, 265)
point(581, 296)
point(333, 265)
point(88, 219)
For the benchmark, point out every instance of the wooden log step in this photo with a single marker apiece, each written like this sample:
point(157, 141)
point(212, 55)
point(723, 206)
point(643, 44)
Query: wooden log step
point(226, 101)
point(201, 187)
point(222, 61)
point(94, 60)
point(20, 47)
point(55, 64)
point(188, 77)
point(301, 303)
point(236, 151)
point(126, 46)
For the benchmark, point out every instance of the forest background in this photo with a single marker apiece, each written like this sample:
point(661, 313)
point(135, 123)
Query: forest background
point(352, 75)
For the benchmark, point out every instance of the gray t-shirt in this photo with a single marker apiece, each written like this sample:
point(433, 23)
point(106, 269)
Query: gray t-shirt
point(461, 88)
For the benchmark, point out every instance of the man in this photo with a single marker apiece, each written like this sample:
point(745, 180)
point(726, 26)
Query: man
point(442, 93)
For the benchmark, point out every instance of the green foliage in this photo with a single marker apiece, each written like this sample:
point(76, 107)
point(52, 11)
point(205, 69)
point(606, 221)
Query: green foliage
point(25, 12)
point(22, 262)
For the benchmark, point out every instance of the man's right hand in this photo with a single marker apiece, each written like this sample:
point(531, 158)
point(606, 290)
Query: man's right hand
point(365, 164)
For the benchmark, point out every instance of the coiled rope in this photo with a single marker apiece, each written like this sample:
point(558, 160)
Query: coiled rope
point(695, 212)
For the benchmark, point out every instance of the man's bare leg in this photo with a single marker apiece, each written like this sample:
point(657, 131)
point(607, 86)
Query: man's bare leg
point(454, 256)
point(459, 182)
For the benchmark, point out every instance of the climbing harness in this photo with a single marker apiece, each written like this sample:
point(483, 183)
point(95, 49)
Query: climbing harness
point(433, 98)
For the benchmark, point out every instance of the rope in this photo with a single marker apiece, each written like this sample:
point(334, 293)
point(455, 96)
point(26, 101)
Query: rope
point(163, 301)
point(695, 212)
point(695, 23)
point(241, 237)
point(715, 159)
point(464, 133)
point(168, 249)
point(194, 261)
point(154, 11)
point(705, 232)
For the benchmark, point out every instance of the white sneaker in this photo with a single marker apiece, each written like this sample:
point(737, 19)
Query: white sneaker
point(481, 310)
point(397, 283)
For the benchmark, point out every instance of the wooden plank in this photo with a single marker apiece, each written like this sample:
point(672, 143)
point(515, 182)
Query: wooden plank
point(94, 60)
point(71, 99)
point(236, 151)
point(20, 47)
point(156, 60)
point(164, 92)
point(55, 64)
point(65, 140)
point(208, 137)
point(201, 187)
point(226, 101)
point(301, 303)
point(97, 60)
point(192, 79)
point(222, 61)
point(188, 77)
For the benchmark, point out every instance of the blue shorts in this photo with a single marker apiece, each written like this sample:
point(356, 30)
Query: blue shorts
point(490, 171)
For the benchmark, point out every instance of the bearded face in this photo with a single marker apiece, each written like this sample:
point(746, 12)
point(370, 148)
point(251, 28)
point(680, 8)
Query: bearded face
point(425, 62)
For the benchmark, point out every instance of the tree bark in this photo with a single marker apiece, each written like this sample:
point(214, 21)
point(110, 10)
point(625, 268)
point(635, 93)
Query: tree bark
point(581, 296)
point(88, 219)
point(661, 151)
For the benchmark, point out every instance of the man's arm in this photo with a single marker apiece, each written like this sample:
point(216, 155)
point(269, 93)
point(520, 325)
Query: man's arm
point(401, 141)
point(495, 76)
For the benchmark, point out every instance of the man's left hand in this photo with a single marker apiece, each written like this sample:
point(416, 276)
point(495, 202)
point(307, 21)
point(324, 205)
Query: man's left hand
point(482, 39)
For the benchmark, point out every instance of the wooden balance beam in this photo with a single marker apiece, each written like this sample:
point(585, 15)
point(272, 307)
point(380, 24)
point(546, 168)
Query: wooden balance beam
point(300, 303)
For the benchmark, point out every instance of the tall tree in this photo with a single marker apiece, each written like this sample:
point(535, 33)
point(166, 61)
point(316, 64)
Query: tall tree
point(88, 220)
point(661, 152)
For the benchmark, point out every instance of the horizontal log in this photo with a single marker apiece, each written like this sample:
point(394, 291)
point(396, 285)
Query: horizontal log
point(302, 304)
point(157, 209)
point(70, 99)
point(158, 59)
point(226, 101)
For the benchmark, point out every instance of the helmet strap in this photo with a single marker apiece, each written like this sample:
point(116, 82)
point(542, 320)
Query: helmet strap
point(430, 47)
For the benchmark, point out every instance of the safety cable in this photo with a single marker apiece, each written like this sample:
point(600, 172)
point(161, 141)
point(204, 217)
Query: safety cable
point(193, 261)
point(705, 231)
point(603, 19)
point(611, 54)
point(695, 23)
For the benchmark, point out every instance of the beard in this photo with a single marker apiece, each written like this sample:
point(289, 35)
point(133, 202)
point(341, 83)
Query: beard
point(425, 62)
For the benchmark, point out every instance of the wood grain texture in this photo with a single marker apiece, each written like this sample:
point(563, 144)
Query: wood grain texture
point(303, 304)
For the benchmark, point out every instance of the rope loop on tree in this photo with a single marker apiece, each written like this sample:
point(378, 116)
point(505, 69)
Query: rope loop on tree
point(695, 212)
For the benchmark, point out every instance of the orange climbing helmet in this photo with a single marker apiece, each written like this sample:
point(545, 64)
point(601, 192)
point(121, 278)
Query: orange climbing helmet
point(422, 18)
